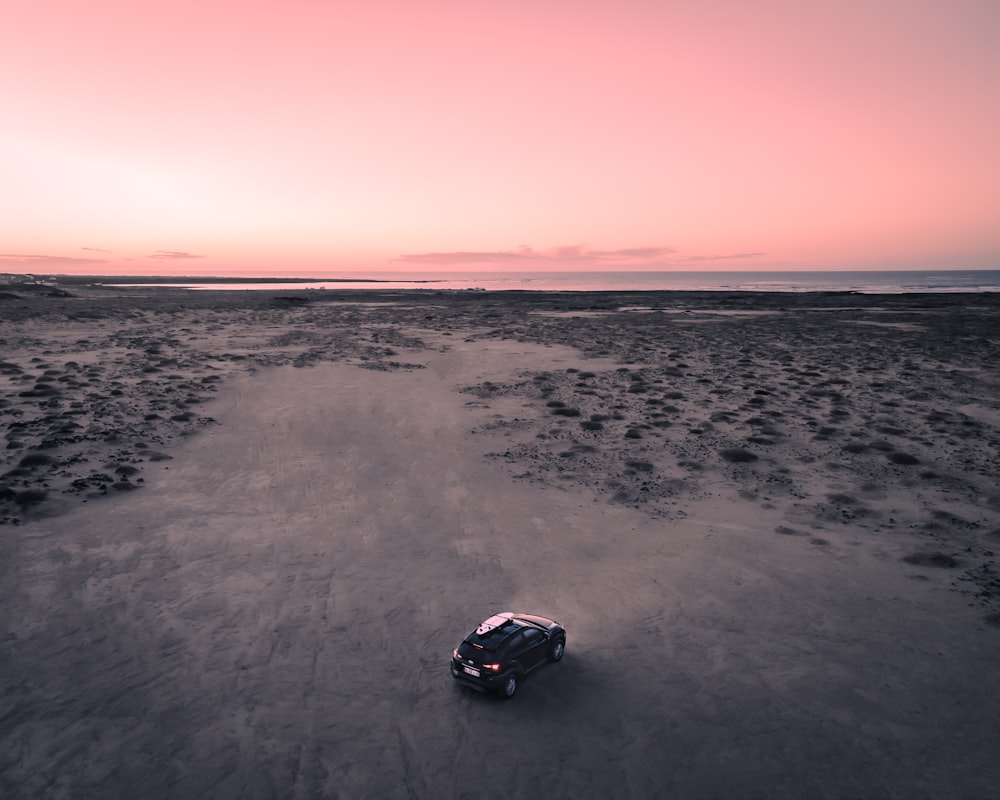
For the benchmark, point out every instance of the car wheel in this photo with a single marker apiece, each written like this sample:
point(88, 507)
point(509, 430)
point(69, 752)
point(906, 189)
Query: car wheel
point(509, 686)
point(558, 648)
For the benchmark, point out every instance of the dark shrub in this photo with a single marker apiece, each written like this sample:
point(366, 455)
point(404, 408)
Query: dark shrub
point(30, 497)
point(737, 455)
point(36, 460)
point(842, 499)
point(41, 390)
point(931, 560)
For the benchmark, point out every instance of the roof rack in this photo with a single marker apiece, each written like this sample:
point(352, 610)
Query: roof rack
point(490, 624)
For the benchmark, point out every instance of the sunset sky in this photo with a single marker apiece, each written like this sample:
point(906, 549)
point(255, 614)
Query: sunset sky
point(323, 136)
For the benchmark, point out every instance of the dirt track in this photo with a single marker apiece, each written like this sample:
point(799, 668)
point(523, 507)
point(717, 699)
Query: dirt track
point(272, 616)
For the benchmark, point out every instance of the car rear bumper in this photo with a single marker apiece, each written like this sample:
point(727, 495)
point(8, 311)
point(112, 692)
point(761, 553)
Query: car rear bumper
point(484, 683)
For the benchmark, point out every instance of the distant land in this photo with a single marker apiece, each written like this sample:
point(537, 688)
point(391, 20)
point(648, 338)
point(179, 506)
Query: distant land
point(88, 280)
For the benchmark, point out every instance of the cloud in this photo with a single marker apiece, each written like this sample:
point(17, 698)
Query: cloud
point(95, 249)
point(571, 252)
point(720, 258)
point(34, 261)
point(575, 254)
point(629, 253)
point(463, 257)
point(172, 255)
point(571, 255)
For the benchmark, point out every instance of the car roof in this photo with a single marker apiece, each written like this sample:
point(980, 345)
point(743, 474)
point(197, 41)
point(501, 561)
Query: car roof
point(492, 632)
point(494, 622)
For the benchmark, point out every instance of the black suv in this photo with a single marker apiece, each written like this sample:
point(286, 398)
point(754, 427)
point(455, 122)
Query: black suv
point(505, 648)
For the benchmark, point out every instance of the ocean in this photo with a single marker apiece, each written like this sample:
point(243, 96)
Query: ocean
point(865, 282)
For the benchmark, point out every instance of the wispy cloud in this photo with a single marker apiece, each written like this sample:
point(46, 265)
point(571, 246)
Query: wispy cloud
point(571, 255)
point(720, 258)
point(637, 252)
point(169, 255)
point(35, 260)
point(567, 254)
point(461, 257)
point(95, 249)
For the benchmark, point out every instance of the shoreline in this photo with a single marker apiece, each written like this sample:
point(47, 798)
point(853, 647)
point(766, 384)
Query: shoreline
point(872, 282)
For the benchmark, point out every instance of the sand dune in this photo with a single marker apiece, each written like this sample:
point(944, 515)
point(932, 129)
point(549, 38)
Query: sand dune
point(244, 532)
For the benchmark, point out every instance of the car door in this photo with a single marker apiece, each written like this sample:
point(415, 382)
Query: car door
point(535, 648)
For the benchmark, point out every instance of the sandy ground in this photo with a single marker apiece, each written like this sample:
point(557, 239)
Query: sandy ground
point(243, 534)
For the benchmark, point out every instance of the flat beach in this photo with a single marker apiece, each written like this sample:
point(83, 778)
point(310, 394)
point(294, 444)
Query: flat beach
point(243, 530)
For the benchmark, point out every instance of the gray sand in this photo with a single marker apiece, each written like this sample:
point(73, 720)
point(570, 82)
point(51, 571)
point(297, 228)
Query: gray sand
point(763, 597)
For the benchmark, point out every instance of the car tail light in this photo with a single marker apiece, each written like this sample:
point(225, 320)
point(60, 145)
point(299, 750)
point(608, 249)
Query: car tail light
point(493, 667)
point(454, 654)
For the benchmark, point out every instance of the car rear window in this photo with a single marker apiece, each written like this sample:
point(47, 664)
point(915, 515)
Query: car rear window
point(468, 650)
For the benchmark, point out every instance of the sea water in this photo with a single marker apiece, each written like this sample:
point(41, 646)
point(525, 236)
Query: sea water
point(866, 282)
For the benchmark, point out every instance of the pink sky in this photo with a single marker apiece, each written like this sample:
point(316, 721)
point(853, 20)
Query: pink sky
point(309, 136)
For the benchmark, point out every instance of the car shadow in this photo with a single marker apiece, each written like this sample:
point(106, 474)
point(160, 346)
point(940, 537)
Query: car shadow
point(552, 688)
